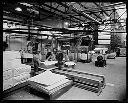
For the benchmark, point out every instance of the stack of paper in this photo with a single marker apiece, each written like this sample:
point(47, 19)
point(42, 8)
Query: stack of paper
point(22, 77)
point(7, 84)
point(48, 78)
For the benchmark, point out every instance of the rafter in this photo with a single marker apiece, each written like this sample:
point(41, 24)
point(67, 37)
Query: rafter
point(101, 8)
point(82, 13)
point(54, 14)
point(89, 10)
point(60, 11)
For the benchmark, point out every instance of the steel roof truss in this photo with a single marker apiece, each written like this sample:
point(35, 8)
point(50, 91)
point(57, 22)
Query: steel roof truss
point(89, 10)
point(101, 8)
point(60, 11)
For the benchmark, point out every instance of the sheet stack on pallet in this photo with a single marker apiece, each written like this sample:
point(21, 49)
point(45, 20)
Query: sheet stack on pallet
point(13, 71)
point(49, 83)
point(70, 64)
point(48, 64)
point(111, 55)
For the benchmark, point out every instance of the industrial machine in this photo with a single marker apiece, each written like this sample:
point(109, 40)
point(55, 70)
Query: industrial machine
point(100, 61)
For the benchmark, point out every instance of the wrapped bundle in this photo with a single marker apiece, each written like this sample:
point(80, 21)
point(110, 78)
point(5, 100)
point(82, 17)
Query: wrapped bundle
point(20, 78)
point(48, 78)
point(7, 74)
point(51, 89)
point(21, 69)
point(48, 64)
point(27, 55)
point(16, 61)
point(111, 55)
point(7, 84)
point(49, 82)
point(11, 54)
point(70, 63)
point(6, 65)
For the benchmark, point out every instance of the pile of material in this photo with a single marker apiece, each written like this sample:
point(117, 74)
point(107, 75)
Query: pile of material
point(13, 71)
point(111, 55)
point(49, 83)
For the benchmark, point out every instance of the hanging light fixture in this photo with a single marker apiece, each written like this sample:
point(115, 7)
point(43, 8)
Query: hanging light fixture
point(18, 9)
point(66, 23)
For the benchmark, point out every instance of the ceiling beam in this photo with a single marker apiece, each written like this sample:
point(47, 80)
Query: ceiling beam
point(54, 14)
point(61, 11)
point(114, 4)
point(89, 10)
point(22, 23)
point(101, 8)
point(97, 11)
point(106, 9)
point(79, 12)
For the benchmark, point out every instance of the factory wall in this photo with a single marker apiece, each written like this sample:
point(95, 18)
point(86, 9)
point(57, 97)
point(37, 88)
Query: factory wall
point(16, 43)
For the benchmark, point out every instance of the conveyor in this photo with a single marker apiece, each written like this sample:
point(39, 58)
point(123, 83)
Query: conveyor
point(88, 81)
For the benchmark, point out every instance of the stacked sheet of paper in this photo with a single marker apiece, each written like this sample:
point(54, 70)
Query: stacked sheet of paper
point(22, 77)
point(7, 74)
point(7, 83)
point(70, 63)
point(48, 78)
point(49, 82)
point(21, 69)
point(50, 62)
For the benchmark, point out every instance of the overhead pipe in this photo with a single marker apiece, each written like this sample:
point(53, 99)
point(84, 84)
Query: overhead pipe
point(53, 29)
point(60, 11)
point(56, 15)
point(21, 32)
point(84, 14)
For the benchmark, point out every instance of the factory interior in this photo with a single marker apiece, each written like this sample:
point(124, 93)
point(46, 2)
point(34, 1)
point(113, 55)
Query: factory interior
point(64, 50)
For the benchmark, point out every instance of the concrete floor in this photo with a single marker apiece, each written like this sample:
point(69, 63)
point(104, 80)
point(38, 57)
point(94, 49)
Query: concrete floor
point(115, 75)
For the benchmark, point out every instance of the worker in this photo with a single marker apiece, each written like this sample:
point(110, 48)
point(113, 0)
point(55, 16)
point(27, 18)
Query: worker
point(118, 51)
point(48, 56)
point(29, 47)
point(22, 55)
point(51, 56)
point(66, 58)
point(36, 61)
point(5, 45)
point(59, 58)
